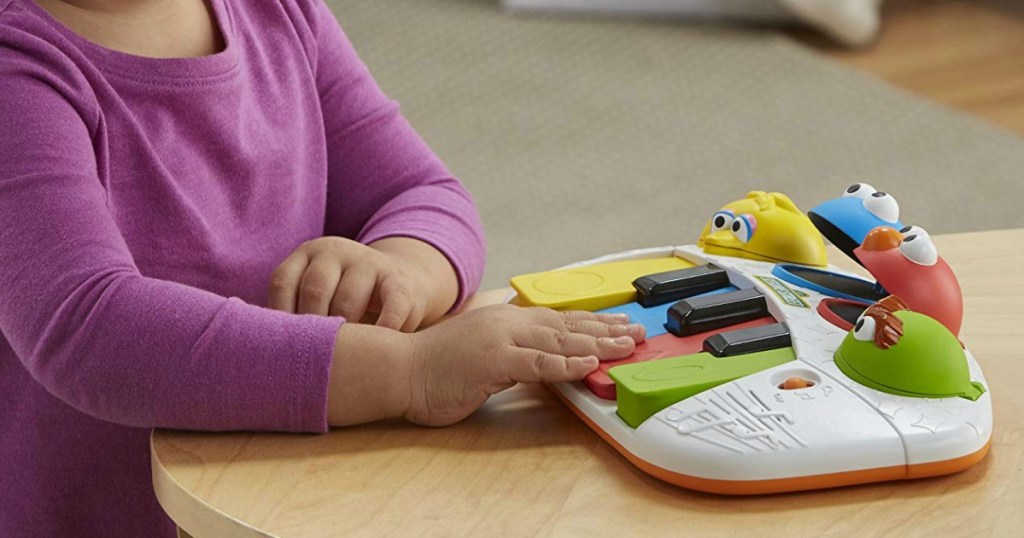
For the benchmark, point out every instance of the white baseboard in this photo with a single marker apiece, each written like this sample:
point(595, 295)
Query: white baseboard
point(750, 10)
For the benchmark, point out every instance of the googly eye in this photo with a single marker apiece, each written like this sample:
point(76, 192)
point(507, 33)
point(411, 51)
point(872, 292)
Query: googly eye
point(864, 330)
point(919, 249)
point(722, 221)
point(883, 206)
point(859, 190)
point(907, 231)
point(744, 226)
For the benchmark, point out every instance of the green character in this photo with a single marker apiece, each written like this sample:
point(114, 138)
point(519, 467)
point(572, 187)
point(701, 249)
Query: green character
point(894, 350)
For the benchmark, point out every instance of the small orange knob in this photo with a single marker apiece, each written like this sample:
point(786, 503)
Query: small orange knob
point(795, 383)
point(883, 238)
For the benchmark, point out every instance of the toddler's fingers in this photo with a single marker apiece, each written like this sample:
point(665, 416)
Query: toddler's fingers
point(284, 283)
point(636, 332)
point(572, 344)
point(419, 311)
point(535, 366)
point(396, 304)
point(583, 315)
point(354, 292)
point(555, 318)
point(318, 286)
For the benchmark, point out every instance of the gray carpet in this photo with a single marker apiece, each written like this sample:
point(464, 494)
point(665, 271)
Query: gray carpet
point(581, 137)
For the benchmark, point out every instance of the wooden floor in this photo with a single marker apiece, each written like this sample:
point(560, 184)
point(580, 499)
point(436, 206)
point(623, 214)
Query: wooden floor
point(966, 54)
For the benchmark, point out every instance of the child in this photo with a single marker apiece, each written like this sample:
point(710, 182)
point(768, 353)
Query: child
point(160, 156)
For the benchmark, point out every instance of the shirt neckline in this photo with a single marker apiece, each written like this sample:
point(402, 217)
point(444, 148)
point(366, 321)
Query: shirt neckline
point(145, 68)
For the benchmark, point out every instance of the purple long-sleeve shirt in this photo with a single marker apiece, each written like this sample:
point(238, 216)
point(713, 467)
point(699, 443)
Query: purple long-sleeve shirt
point(144, 204)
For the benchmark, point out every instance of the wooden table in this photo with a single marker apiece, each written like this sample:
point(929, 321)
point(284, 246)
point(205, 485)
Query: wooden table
point(524, 465)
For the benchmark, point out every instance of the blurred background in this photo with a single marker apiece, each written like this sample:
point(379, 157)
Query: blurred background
point(581, 135)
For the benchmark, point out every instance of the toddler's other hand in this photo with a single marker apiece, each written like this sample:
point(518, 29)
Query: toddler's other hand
point(340, 277)
point(460, 362)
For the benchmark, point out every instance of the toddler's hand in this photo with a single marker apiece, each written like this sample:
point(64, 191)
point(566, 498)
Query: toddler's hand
point(340, 277)
point(460, 362)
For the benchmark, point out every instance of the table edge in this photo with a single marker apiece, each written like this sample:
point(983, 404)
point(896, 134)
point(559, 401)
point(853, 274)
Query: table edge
point(191, 513)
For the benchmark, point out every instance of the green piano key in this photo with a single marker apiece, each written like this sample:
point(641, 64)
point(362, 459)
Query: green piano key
point(644, 388)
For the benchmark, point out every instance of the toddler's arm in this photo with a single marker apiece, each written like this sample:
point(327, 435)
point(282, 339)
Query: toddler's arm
point(145, 352)
point(99, 335)
point(383, 180)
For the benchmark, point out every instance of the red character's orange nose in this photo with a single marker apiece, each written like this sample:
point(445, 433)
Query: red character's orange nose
point(882, 238)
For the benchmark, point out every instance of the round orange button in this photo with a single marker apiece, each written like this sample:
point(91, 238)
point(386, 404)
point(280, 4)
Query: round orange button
point(795, 383)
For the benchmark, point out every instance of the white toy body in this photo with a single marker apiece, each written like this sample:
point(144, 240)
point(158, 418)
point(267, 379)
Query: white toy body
point(750, 436)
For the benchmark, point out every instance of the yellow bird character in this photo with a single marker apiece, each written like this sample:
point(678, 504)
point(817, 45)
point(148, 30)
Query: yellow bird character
point(766, 227)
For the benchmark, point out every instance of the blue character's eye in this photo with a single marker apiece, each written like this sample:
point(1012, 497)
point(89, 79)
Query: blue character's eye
point(744, 226)
point(859, 190)
point(722, 220)
point(883, 206)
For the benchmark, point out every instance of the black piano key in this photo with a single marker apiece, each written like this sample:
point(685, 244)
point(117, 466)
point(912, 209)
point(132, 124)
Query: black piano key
point(661, 288)
point(701, 314)
point(752, 340)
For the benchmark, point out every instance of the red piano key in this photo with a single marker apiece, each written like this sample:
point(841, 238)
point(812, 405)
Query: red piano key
point(659, 347)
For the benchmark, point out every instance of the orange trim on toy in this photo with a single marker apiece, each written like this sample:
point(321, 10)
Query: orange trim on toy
point(781, 485)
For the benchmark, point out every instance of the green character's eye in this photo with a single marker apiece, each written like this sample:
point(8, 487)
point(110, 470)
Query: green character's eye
point(864, 330)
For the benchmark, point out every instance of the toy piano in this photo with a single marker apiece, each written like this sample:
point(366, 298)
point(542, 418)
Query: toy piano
point(765, 369)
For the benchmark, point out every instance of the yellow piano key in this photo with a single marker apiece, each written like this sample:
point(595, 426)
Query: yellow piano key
point(593, 287)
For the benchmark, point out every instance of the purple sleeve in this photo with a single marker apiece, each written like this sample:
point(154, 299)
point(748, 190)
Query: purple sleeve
point(383, 180)
point(105, 339)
